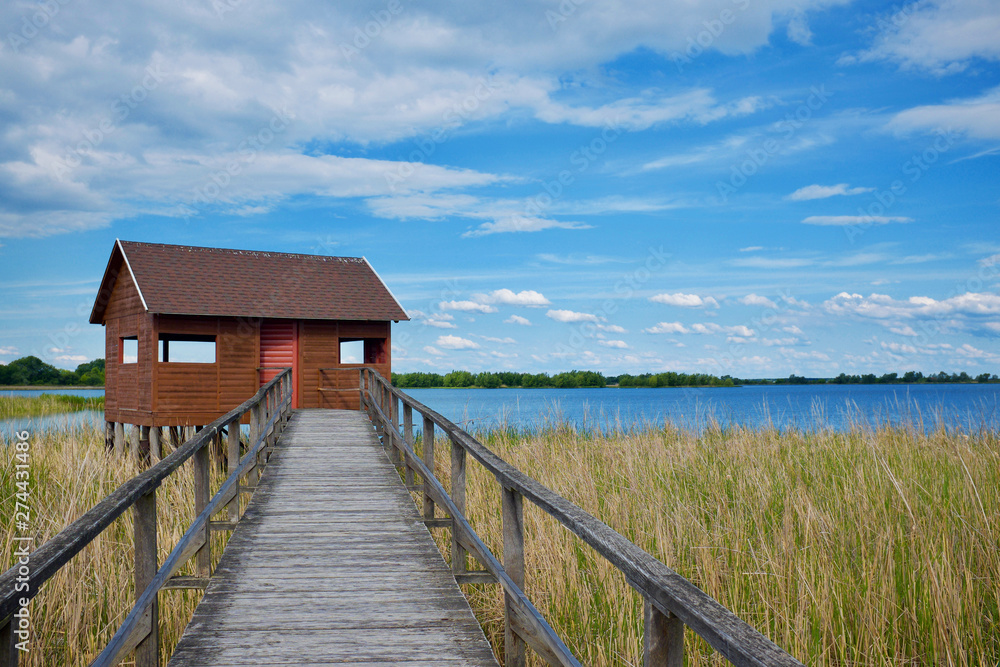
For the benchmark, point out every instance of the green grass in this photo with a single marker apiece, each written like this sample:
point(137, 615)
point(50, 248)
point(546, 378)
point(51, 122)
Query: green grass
point(47, 404)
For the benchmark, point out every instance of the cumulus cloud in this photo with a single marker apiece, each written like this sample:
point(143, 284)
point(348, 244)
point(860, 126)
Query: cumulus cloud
point(517, 319)
point(572, 316)
point(757, 300)
point(467, 306)
point(619, 344)
point(823, 191)
point(8, 351)
point(847, 220)
point(884, 307)
point(511, 298)
point(503, 341)
point(667, 328)
point(450, 342)
point(437, 320)
point(685, 300)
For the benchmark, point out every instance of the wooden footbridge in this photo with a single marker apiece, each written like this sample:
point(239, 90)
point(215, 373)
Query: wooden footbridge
point(330, 561)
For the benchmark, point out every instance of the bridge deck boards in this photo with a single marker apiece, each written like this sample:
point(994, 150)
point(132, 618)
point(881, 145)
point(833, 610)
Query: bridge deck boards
point(332, 564)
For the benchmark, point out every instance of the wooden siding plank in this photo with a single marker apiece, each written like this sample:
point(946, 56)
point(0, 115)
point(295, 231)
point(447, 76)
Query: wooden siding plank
point(332, 564)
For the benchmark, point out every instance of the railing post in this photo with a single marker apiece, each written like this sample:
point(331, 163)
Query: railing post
point(428, 438)
point(155, 454)
point(361, 389)
point(232, 461)
point(663, 645)
point(255, 427)
point(514, 652)
point(407, 432)
point(394, 400)
point(201, 497)
point(458, 497)
point(147, 651)
point(8, 650)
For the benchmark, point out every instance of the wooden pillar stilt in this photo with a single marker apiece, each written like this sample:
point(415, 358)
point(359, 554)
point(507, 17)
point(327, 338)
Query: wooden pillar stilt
point(119, 439)
point(155, 436)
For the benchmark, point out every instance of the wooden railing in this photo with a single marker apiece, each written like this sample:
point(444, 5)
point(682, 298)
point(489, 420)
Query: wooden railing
point(671, 601)
point(269, 410)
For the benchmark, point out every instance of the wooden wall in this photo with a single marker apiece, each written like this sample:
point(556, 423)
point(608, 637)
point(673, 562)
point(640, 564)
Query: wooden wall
point(319, 348)
point(128, 387)
point(196, 394)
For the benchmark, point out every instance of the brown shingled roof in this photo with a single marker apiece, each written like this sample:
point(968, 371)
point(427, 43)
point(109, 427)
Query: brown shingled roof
point(187, 280)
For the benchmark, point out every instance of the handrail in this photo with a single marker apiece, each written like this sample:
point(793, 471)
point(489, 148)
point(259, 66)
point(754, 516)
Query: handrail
point(51, 556)
point(108, 656)
point(668, 595)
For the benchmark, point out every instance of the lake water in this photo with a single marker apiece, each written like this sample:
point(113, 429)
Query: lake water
point(964, 406)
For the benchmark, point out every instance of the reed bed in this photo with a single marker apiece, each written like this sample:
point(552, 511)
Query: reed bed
point(78, 611)
point(874, 546)
point(12, 407)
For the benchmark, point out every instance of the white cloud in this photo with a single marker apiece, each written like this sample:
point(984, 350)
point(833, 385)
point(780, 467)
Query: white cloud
point(971, 352)
point(798, 30)
point(898, 348)
point(772, 263)
point(977, 117)
point(667, 328)
point(804, 356)
point(571, 316)
point(450, 342)
point(792, 329)
point(882, 306)
point(943, 36)
point(620, 344)
point(437, 320)
point(824, 191)
point(905, 330)
point(509, 297)
point(430, 349)
point(757, 300)
point(503, 341)
point(685, 300)
point(611, 328)
point(517, 319)
point(520, 223)
point(467, 306)
point(8, 351)
point(752, 248)
point(740, 330)
point(75, 358)
point(847, 220)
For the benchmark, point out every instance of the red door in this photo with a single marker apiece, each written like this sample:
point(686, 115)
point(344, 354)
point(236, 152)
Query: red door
point(278, 350)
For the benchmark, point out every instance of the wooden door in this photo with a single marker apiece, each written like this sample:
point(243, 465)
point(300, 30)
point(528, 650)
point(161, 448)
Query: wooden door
point(279, 349)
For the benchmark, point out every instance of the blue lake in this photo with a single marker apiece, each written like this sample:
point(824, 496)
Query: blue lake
point(963, 406)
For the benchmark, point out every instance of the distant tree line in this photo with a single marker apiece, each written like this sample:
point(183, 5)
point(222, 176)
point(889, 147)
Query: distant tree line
point(910, 377)
point(672, 379)
point(494, 380)
point(572, 379)
point(32, 371)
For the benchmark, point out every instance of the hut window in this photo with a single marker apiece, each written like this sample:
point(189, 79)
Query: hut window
point(352, 351)
point(128, 350)
point(187, 349)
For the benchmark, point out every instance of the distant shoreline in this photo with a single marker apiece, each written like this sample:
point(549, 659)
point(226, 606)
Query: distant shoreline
point(23, 387)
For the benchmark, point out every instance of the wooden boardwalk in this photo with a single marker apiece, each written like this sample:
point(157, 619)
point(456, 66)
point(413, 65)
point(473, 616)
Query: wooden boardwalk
point(332, 564)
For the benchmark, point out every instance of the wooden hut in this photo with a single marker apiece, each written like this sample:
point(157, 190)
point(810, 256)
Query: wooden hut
point(193, 332)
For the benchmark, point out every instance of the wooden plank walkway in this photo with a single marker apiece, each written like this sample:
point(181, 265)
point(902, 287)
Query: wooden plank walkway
point(332, 564)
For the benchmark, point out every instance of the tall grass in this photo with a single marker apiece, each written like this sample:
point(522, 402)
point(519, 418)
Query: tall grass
point(78, 611)
point(875, 546)
point(35, 406)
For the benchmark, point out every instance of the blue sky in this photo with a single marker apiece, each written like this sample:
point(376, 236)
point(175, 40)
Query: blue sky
point(751, 187)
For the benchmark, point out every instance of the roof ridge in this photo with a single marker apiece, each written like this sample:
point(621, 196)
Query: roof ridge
point(239, 251)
